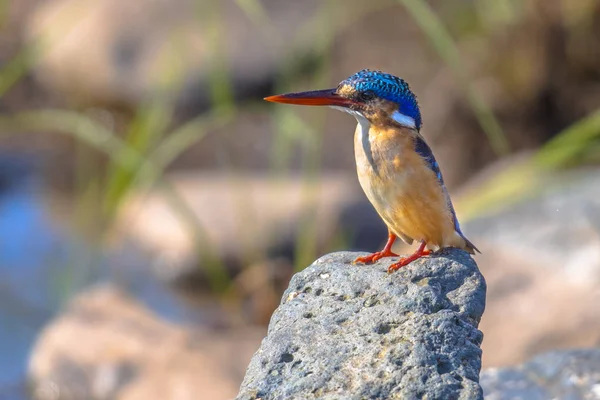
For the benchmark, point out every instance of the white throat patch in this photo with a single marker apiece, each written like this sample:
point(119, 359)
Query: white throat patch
point(404, 120)
point(362, 120)
point(397, 116)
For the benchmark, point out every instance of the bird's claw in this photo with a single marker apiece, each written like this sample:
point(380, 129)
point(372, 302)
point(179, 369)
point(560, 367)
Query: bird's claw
point(404, 261)
point(396, 266)
point(375, 257)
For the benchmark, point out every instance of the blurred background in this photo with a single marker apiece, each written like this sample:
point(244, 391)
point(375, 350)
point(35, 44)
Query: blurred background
point(153, 207)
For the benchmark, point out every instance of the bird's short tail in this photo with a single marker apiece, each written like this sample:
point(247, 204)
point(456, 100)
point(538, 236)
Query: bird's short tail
point(470, 247)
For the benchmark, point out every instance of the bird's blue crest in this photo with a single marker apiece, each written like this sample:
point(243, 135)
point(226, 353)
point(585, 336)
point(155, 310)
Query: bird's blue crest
point(388, 87)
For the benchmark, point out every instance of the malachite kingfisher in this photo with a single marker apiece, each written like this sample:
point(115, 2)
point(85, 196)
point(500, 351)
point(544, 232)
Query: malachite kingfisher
point(396, 168)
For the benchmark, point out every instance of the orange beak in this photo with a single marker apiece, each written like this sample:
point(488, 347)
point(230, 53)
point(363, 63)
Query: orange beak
point(327, 97)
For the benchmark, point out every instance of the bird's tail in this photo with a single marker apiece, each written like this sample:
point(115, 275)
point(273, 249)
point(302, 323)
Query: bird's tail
point(470, 247)
point(459, 241)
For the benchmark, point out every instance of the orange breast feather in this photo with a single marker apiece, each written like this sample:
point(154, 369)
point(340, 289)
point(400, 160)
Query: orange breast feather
point(403, 190)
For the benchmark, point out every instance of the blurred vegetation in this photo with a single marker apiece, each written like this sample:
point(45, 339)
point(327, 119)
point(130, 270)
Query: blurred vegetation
point(139, 152)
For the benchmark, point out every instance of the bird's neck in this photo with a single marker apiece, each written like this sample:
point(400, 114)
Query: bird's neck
point(386, 127)
point(378, 148)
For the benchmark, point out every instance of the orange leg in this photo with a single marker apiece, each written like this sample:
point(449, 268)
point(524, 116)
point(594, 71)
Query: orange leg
point(407, 260)
point(386, 252)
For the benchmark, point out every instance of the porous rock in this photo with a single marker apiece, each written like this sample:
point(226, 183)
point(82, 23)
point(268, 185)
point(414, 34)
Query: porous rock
point(345, 331)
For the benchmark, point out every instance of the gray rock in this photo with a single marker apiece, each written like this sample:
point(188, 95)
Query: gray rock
point(347, 331)
point(572, 375)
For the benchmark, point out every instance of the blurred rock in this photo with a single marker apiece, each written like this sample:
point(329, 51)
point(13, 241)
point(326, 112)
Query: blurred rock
point(561, 225)
point(105, 345)
point(532, 253)
point(246, 218)
point(573, 375)
point(545, 251)
point(354, 331)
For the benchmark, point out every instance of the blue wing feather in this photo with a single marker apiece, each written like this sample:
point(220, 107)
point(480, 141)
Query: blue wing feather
point(424, 151)
point(422, 148)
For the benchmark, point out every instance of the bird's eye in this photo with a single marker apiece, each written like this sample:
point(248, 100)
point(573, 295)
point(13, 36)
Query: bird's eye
point(367, 95)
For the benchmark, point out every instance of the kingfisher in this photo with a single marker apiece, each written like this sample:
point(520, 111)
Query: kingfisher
point(396, 167)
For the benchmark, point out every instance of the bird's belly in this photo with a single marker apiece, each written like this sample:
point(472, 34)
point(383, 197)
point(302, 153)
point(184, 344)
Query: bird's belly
point(389, 198)
point(408, 198)
point(385, 194)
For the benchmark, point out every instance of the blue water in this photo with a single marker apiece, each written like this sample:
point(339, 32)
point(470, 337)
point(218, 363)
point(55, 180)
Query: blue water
point(42, 265)
point(30, 252)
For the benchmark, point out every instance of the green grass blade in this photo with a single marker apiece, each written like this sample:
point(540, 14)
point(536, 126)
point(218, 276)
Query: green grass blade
point(147, 127)
point(15, 69)
point(255, 11)
point(97, 136)
point(180, 140)
point(525, 178)
point(571, 143)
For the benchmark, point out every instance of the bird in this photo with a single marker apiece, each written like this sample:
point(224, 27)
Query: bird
point(396, 167)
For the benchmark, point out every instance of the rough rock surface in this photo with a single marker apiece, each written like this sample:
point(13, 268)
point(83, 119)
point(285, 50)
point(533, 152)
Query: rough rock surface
point(354, 332)
point(573, 374)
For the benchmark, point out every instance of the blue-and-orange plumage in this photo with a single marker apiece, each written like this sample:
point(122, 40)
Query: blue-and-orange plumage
point(396, 168)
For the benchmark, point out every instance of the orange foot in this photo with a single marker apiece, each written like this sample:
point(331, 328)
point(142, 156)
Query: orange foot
point(386, 252)
point(407, 260)
point(375, 256)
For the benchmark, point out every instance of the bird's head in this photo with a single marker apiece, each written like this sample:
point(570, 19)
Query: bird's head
point(380, 98)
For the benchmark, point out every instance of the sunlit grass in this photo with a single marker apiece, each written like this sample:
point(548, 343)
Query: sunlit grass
point(255, 11)
point(15, 69)
point(144, 131)
point(530, 175)
point(572, 144)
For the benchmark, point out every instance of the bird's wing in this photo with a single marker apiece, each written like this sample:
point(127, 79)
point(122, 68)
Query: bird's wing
point(423, 149)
